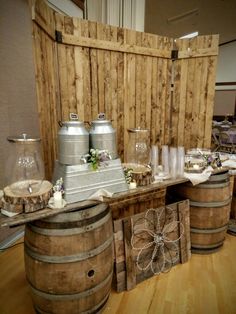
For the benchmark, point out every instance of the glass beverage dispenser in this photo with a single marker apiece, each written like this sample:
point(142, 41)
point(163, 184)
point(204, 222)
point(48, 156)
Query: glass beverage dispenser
point(138, 148)
point(24, 169)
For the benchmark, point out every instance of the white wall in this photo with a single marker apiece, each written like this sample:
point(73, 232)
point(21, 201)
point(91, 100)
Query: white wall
point(66, 7)
point(226, 67)
point(224, 102)
point(123, 13)
point(225, 96)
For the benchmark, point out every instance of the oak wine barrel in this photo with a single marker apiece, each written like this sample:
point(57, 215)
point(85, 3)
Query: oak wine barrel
point(69, 261)
point(209, 212)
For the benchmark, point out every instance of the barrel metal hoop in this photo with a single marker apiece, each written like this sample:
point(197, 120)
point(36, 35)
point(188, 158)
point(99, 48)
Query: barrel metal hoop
point(219, 177)
point(94, 310)
point(207, 246)
point(209, 231)
point(212, 185)
point(74, 296)
point(70, 231)
point(210, 204)
point(68, 258)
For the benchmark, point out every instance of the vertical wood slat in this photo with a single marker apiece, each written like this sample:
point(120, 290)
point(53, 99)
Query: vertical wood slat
point(192, 92)
point(130, 265)
point(79, 73)
point(86, 73)
point(101, 74)
point(94, 72)
point(46, 89)
point(120, 96)
point(133, 90)
point(210, 91)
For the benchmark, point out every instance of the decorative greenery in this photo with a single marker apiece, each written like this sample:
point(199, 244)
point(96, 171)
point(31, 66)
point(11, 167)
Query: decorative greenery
point(128, 174)
point(98, 158)
point(58, 187)
point(212, 160)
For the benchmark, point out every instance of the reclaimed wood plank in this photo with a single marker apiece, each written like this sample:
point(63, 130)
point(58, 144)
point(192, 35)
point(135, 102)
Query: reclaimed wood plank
point(130, 265)
point(185, 242)
point(112, 46)
point(120, 97)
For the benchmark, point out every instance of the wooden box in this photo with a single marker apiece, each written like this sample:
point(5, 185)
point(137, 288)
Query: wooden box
point(137, 201)
point(147, 243)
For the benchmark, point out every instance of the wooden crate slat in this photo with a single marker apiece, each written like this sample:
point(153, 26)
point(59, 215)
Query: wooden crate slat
point(185, 242)
point(130, 266)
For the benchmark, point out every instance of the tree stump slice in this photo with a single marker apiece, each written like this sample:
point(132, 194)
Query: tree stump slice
point(142, 174)
point(26, 203)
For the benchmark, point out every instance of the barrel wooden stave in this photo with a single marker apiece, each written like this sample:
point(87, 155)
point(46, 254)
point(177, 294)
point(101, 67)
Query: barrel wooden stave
point(213, 239)
point(72, 306)
point(209, 217)
point(209, 212)
point(205, 192)
point(70, 269)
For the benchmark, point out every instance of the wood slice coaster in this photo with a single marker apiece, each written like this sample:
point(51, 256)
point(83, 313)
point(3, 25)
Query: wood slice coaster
point(232, 227)
point(142, 174)
point(13, 203)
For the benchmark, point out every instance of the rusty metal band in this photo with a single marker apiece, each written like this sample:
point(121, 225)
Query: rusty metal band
point(70, 231)
point(210, 204)
point(68, 258)
point(74, 296)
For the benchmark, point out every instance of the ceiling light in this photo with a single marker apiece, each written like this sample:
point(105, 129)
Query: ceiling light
point(191, 35)
point(183, 15)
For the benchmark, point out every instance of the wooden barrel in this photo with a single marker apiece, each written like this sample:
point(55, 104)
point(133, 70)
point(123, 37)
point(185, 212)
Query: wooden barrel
point(233, 204)
point(209, 212)
point(69, 261)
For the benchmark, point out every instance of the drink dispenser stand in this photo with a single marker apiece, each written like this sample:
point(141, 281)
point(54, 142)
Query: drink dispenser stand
point(80, 180)
point(26, 189)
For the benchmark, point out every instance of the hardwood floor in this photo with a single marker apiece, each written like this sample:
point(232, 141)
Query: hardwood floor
point(204, 285)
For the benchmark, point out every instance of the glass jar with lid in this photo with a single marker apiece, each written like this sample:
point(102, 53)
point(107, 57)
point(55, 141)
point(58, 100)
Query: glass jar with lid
point(138, 150)
point(24, 168)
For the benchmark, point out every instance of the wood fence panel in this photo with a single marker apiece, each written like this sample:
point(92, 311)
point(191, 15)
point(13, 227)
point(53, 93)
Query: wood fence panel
point(93, 67)
point(194, 89)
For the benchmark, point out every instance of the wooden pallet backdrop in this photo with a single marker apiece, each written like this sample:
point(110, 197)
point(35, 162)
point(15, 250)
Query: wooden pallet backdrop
point(91, 67)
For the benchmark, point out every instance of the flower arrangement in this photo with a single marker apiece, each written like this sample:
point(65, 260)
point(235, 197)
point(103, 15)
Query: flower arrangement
point(98, 158)
point(212, 160)
point(128, 174)
point(58, 187)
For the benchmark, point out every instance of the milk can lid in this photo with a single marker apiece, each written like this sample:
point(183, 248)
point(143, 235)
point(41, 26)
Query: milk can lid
point(101, 119)
point(23, 138)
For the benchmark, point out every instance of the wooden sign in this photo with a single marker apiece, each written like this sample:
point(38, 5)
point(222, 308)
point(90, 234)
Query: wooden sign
point(149, 243)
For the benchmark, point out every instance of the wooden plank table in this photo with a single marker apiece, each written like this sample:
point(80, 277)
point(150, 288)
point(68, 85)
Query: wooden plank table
point(47, 212)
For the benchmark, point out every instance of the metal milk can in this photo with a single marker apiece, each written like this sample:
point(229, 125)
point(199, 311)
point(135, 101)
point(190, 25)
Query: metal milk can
point(73, 141)
point(102, 135)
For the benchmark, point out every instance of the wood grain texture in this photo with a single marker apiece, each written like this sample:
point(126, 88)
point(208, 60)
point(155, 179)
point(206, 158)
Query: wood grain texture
point(128, 75)
point(206, 284)
point(67, 256)
point(46, 89)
